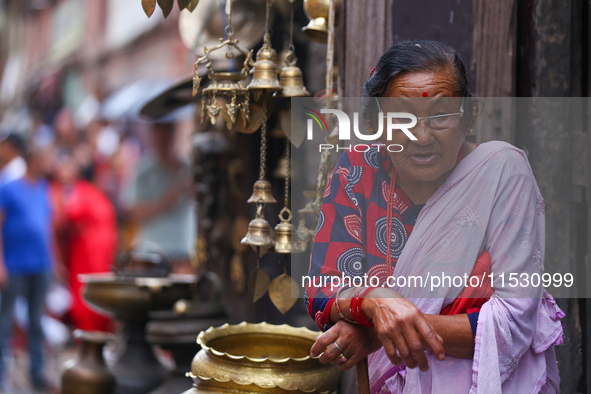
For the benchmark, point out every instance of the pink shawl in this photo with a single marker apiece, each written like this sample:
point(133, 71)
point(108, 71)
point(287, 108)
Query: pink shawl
point(490, 202)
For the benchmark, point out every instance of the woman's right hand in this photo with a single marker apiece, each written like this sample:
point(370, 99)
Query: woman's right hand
point(355, 341)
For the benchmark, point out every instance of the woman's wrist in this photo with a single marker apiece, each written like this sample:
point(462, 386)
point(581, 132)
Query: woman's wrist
point(343, 298)
point(373, 299)
point(368, 305)
point(358, 297)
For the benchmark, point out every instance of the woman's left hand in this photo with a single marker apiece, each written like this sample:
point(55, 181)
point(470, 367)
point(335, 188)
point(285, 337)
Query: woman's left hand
point(348, 340)
point(402, 329)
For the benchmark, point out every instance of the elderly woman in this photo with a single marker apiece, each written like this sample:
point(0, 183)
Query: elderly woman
point(480, 212)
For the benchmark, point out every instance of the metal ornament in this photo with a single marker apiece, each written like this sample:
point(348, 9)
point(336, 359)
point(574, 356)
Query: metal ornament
point(249, 122)
point(262, 187)
point(315, 30)
point(280, 292)
point(166, 6)
point(149, 6)
point(228, 84)
point(258, 283)
point(259, 235)
point(297, 134)
point(280, 170)
point(183, 4)
point(306, 234)
point(291, 77)
point(265, 69)
point(204, 25)
point(284, 230)
point(318, 13)
point(192, 5)
point(262, 192)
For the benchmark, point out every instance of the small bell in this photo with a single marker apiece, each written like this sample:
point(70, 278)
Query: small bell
point(265, 69)
point(291, 78)
point(262, 192)
point(283, 231)
point(280, 171)
point(316, 30)
point(292, 81)
point(259, 233)
point(317, 12)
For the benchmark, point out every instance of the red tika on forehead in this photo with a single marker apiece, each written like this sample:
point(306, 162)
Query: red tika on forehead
point(425, 94)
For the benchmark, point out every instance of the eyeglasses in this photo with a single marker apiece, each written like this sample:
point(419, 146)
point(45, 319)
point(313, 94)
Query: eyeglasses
point(435, 122)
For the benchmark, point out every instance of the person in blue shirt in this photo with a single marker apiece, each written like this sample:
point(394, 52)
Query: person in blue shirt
point(26, 257)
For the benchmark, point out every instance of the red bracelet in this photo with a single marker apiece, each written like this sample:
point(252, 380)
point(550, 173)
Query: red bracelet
point(340, 312)
point(356, 307)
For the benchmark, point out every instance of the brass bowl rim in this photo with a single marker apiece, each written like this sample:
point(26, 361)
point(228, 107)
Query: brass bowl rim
point(231, 329)
point(192, 376)
point(233, 76)
point(226, 380)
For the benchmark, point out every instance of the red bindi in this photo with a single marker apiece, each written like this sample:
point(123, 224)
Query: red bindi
point(425, 94)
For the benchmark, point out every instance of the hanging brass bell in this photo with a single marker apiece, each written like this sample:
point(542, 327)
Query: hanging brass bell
point(316, 30)
point(265, 69)
point(280, 171)
point(292, 82)
point(317, 12)
point(283, 232)
point(259, 235)
point(292, 79)
point(262, 192)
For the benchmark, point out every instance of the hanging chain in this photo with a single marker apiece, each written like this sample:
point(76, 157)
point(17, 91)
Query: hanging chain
point(268, 12)
point(330, 54)
point(229, 29)
point(263, 158)
point(291, 47)
point(287, 170)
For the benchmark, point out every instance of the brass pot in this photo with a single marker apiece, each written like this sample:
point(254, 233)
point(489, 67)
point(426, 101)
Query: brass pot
point(89, 373)
point(260, 358)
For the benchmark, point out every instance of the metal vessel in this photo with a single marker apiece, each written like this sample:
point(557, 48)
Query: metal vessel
point(88, 373)
point(260, 358)
point(129, 300)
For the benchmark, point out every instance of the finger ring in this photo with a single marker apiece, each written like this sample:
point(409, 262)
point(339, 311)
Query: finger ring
point(338, 347)
point(342, 358)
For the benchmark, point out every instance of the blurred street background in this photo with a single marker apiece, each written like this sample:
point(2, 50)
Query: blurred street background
point(74, 75)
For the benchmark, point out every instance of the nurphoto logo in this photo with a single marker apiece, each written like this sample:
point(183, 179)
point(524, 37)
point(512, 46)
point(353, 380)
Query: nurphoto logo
point(402, 121)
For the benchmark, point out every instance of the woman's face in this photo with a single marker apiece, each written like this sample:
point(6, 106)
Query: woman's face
point(432, 157)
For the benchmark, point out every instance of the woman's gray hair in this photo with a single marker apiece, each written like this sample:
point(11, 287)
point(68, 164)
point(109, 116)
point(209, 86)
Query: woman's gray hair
point(415, 56)
point(412, 56)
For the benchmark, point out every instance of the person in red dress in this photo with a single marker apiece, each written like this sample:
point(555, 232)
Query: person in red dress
point(88, 218)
